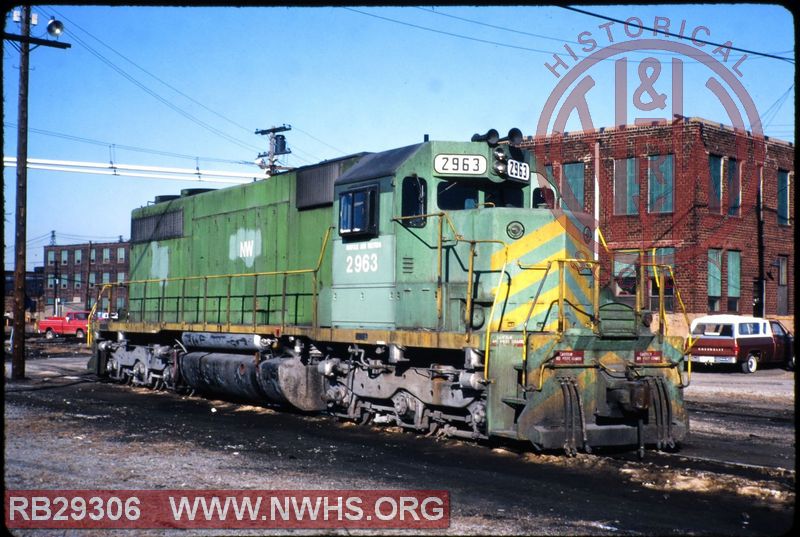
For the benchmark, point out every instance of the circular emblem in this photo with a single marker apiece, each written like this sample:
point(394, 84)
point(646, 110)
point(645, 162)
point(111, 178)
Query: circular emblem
point(587, 235)
point(515, 230)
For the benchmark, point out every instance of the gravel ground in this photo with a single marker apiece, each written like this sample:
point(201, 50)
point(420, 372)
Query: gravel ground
point(63, 432)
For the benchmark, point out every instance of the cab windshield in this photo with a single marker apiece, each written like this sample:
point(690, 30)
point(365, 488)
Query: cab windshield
point(460, 195)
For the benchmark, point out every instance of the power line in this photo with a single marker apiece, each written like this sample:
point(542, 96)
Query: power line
point(173, 88)
point(451, 34)
point(775, 107)
point(764, 54)
point(183, 94)
point(161, 99)
point(501, 44)
point(129, 147)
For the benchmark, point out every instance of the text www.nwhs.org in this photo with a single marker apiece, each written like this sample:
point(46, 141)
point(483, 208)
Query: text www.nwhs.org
point(227, 509)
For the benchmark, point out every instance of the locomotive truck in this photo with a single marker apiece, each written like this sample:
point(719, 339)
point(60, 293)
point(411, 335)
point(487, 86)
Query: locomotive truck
point(441, 287)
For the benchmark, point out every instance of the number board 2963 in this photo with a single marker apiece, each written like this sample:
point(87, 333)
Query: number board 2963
point(460, 164)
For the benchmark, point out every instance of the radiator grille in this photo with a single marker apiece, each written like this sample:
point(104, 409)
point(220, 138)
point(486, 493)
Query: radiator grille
point(157, 227)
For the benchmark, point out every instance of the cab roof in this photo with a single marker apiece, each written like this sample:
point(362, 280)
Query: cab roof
point(374, 165)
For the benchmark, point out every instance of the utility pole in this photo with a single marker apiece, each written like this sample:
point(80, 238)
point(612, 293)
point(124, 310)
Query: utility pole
point(20, 235)
point(54, 28)
point(277, 146)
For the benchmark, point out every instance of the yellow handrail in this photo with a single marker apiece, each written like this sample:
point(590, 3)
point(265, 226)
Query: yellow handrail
point(229, 277)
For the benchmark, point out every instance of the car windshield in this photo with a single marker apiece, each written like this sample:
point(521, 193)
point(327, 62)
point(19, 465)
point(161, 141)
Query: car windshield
point(713, 329)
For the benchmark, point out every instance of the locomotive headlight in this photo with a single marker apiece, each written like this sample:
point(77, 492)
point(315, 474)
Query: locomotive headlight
point(500, 166)
point(515, 230)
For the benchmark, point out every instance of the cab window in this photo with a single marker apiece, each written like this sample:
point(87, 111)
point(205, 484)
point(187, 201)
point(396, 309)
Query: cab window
point(503, 196)
point(414, 202)
point(455, 196)
point(358, 212)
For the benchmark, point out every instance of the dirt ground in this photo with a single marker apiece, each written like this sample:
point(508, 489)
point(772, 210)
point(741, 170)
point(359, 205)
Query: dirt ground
point(64, 431)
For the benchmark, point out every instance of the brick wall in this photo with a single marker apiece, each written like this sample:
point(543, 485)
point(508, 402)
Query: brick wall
point(691, 228)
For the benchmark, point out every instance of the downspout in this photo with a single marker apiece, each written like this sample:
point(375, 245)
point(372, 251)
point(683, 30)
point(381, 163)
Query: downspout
point(762, 284)
point(596, 200)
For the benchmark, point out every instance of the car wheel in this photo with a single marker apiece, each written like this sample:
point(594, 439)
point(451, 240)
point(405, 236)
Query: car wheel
point(49, 334)
point(750, 365)
point(79, 333)
point(790, 363)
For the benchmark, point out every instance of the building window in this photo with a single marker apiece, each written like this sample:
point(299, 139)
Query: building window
point(120, 276)
point(92, 279)
point(90, 302)
point(626, 186)
point(734, 280)
point(714, 279)
point(660, 183)
point(783, 197)
point(415, 201)
point(783, 285)
point(106, 255)
point(77, 280)
point(106, 277)
point(734, 187)
point(625, 273)
point(120, 255)
point(51, 281)
point(572, 193)
point(64, 257)
point(664, 256)
point(104, 304)
point(715, 184)
point(92, 255)
point(51, 257)
point(78, 257)
point(120, 302)
point(64, 281)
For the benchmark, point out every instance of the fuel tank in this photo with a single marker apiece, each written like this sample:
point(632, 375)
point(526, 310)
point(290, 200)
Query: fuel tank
point(284, 380)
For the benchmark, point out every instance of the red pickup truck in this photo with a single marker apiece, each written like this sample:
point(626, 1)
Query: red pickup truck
point(741, 340)
point(73, 323)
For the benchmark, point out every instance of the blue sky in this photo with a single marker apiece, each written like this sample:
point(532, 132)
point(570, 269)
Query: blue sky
point(346, 79)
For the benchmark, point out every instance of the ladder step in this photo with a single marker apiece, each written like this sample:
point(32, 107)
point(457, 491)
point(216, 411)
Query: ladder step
point(515, 401)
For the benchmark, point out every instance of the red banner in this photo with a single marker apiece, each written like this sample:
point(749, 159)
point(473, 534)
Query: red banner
point(310, 509)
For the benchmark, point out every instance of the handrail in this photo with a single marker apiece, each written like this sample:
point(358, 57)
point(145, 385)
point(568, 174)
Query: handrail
point(205, 278)
point(528, 318)
point(487, 341)
point(443, 216)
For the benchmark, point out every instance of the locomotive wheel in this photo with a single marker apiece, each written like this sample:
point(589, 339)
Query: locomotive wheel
point(750, 365)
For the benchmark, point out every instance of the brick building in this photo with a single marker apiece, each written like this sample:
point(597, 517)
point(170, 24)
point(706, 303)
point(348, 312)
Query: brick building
point(714, 203)
point(34, 288)
point(74, 275)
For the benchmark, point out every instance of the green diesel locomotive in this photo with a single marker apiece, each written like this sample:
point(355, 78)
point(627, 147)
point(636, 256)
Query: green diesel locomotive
point(437, 287)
